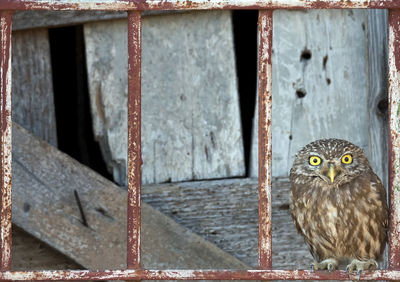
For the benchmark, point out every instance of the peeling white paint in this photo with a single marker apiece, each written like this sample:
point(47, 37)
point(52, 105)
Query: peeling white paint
point(197, 4)
point(394, 119)
point(265, 139)
point(191, 274)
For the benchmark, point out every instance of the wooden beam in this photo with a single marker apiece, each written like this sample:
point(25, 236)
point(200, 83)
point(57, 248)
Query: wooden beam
point(45, 205)
point(225, 212)
point(49, 19)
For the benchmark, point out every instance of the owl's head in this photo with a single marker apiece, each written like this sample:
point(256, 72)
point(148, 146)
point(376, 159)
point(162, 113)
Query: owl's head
point(330, 160)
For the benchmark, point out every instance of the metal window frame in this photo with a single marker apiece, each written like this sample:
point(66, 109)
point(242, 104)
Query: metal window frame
point(134, 8)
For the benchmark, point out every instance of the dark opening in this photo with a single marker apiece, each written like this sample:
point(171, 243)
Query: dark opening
point(71, 98)
point(383, 106)
point(245, 39)
point(301, 93)
point(305, 55)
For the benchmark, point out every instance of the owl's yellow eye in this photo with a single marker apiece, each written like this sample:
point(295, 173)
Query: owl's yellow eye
point(347, 159)
point(314, 160)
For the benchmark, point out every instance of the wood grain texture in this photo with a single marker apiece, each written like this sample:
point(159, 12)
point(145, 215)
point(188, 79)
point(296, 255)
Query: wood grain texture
point(44, 205)
point(190, 110)
point(38, 19)
point(32, 92)
point(332, 84)
point(378, 91)
point(378, 94)
point(30, 253)
point(225, 212)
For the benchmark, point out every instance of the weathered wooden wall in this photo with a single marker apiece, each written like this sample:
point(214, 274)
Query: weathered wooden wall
point(32, 85)
point(44, 205)
point(223, 212)
point(328, 81)
point(190, 110)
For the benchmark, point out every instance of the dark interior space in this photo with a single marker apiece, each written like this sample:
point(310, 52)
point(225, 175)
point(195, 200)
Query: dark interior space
point(245, 39)
point(71, 98)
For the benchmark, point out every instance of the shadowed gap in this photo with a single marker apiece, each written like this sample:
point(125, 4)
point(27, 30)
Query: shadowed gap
point(71, 98)
point(245, 40)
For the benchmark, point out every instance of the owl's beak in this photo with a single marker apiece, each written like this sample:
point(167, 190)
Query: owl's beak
point(332, 172)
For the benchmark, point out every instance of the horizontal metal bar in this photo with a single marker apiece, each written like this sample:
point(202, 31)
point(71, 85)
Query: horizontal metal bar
point(144, 274)
point(193, 4)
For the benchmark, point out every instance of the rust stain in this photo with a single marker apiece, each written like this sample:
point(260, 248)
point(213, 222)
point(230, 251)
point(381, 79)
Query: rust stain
point(5, 151)
point(134, 138)
point(144, 274)
point(265, 139)
point(394, 139)
point(124, 5)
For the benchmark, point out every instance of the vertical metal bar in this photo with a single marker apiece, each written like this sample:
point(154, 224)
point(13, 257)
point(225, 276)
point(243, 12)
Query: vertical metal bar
point(134, 138)
point(5, 149)
point(394, 138)
point(264, 138)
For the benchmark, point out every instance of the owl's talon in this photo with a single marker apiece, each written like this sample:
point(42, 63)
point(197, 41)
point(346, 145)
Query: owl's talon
point(360, 266)
point(328, 264)
point(359, 274)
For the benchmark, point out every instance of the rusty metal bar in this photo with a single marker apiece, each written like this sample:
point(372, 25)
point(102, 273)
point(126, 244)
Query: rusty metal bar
point(5, 148)
point(394, 138)
point(144, 274)
point(264, 139)
point(134, 138)
point(193, 4)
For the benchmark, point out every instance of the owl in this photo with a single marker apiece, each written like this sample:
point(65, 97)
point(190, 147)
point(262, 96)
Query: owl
point(339, 205)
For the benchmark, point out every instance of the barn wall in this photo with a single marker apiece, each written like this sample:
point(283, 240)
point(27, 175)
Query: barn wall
point(325, 85)
point(329, 80)
point(32, 85)
point(190, 110)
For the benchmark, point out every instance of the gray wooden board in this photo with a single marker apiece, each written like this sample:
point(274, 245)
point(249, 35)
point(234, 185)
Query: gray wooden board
point(29, 253)
point(190, 110)
point(44, 181)
point(225, 212)
point(341, 107)
point(36, 19)
point(378, 92)
point(32, 84)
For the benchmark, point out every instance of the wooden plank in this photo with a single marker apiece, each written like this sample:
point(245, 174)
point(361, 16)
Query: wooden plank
point(50, 19)
point(30, 253)
point(190, 108)
point(44, 205)
point(323, 56)
point(33, 99)
point(39, 19)
point(225, 212)
point(377, 28)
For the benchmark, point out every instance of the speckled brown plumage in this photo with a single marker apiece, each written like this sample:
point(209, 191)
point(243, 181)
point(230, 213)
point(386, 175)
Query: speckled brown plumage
point(339, 207)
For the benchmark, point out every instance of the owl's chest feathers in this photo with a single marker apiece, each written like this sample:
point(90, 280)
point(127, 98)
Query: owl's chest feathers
point(332, 218)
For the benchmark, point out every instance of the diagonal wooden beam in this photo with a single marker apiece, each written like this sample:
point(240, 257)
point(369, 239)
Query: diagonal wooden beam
point(45, 205)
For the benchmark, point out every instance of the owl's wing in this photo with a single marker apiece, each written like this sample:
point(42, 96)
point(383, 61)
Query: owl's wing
point(380, 189)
